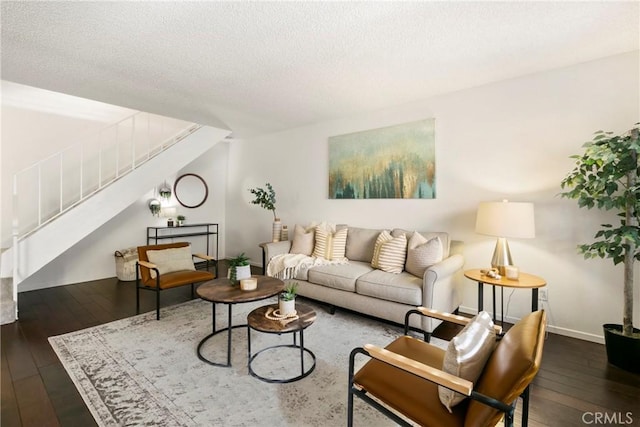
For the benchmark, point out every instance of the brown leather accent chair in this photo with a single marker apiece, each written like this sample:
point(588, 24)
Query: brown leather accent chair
point(146, 281)
point(403, 377)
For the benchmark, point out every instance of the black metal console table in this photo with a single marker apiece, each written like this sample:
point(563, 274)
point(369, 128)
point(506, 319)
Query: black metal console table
point(154, 234)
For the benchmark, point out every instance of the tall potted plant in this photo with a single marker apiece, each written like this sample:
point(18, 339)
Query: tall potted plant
point(267, 200)
point(606, 176)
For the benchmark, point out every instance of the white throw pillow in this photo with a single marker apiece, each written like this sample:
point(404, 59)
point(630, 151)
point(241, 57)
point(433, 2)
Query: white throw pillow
point(170, 260)
point(330, 245)
point(389, 252)
point(422, 253)
point(467, 354)
point(303, 240)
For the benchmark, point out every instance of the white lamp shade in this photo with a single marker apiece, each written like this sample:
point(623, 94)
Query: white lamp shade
point(506, 219)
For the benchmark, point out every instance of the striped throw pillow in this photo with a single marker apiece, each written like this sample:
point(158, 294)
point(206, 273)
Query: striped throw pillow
point(330, 245)
point(389, 253)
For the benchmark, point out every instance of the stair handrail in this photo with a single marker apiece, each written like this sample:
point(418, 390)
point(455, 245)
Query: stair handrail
point(135, 159)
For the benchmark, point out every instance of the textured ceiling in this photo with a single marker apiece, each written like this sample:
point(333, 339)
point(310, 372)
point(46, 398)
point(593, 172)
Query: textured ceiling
point(258, 67)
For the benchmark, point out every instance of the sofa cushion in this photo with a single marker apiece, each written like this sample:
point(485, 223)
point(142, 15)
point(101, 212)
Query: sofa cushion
point(422, 253)
point(404, 288)
point(330, 245)
point(360, 243)
point(444, 238)
point(389, 253)
point(339, 276)
point(303, 240)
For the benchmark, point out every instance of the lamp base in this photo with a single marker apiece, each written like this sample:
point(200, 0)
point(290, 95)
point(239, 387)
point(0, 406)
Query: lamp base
point(501, 256)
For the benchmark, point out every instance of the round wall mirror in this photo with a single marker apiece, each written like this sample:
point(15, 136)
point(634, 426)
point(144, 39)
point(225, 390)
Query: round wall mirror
point(190, 190)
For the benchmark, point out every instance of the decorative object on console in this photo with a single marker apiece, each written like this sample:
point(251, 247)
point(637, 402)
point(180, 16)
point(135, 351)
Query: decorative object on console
point(287, 299)
point(284, 234)
point(190, 190)
point(505, 219)
point(239, 268)
point(606, 176)
point(394, 162)
point(170, 222)
point(180, 219)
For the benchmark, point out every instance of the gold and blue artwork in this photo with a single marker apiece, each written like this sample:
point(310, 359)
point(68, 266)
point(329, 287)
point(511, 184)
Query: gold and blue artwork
point(395, 162)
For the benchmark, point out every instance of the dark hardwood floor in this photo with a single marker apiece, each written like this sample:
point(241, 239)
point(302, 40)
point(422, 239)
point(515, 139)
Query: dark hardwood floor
point(575, 386)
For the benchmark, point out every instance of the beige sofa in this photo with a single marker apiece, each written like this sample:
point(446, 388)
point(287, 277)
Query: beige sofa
point(357, 286)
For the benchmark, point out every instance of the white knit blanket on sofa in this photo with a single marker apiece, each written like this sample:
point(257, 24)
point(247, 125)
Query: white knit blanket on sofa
point(295, 266)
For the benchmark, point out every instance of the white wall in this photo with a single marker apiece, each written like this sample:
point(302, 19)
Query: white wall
point(510, 139)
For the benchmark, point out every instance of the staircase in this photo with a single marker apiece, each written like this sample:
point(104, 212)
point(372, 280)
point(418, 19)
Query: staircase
point(74, 220)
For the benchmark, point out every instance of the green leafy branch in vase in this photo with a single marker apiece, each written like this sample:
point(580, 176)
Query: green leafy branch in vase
point(265, 198)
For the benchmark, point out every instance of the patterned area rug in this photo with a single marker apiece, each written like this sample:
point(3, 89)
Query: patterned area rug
point(139, 371)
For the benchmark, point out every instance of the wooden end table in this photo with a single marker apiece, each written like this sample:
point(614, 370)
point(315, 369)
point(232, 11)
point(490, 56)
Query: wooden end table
point(223, 292)
point(524, 281)
point(258, 321)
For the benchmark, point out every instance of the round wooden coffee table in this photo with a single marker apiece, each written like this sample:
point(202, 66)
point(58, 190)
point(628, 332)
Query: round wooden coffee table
point(258, 321)
point(223, 292)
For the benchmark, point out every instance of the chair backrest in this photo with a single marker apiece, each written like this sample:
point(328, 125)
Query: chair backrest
point(512, 366)
point(145, 274)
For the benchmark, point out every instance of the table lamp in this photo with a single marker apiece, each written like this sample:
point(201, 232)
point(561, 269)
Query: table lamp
point(505, 219)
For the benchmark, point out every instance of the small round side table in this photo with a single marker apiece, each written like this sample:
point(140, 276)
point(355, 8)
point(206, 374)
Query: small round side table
point(258, 321)
point(524, 281)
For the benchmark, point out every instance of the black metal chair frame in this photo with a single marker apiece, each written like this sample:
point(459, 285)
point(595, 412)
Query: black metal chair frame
point(157, 289)
point(508, 410)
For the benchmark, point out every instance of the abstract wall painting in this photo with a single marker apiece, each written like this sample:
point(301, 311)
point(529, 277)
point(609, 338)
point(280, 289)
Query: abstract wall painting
point(395, 162)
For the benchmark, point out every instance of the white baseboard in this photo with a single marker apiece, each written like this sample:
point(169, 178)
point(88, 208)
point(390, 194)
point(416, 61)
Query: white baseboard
point(550, 328)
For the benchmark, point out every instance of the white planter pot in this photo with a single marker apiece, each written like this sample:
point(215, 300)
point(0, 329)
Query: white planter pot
point(286, 307)
point(243, 272)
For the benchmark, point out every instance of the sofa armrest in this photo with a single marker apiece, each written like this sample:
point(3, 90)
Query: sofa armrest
point(440, 288)
point(444, 268)
point(271, 249)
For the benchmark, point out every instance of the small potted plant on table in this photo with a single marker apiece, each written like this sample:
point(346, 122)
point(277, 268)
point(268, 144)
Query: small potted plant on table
point(180, 219)
point(287, 300)
point(239, 268)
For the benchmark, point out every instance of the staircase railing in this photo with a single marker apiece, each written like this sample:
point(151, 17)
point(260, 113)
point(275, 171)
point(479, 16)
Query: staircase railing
point(59, 182)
